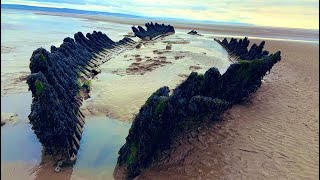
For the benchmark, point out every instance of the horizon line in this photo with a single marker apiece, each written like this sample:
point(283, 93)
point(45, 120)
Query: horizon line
point(92, 12)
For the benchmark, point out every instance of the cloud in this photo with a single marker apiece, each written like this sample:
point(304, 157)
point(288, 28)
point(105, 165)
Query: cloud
point(293, 13)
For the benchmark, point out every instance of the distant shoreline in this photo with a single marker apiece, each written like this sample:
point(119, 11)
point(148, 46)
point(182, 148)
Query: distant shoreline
point(218, 30)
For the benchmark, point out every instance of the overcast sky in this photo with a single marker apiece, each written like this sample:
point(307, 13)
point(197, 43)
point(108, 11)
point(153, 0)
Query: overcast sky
point(279, 13)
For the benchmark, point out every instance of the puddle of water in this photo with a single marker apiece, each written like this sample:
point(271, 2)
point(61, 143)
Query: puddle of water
point(19, 143)
point(17, 103)
point(21, 150)
point(100, 143)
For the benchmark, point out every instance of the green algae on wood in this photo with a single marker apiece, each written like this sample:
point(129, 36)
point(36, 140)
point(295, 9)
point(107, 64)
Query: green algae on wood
point(161, 104)
point(39, 87)
point(42, 58)
point(133, 154)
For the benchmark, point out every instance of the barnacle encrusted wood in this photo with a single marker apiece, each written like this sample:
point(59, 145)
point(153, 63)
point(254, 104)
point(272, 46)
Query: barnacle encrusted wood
point(57, 88)
point(239, 49)
point(152, 31)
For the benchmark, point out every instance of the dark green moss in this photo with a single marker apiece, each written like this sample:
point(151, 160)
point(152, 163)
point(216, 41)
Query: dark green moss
point(245, 72)
point(78, 73)
point(42, 58)
point(79, 84)
point(87, 84)
point(161, 104)
point(154, 94)
point(133, 154)
point(243, 61)
point(201, 76)
point(39, 87)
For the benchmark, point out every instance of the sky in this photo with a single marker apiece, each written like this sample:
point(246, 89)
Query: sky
point(275, 13)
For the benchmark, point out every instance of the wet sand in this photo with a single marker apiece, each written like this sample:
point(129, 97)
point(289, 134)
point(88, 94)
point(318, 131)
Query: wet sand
point(8, 118)
point(273, 136)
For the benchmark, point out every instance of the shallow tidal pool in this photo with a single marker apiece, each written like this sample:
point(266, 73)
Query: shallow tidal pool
point(21, 155)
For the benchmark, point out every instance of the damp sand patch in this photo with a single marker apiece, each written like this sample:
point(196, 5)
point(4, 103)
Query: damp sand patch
point(6, 49)
point(194, 68)
point(14, 83)
point(8, 118)
point(146, 65)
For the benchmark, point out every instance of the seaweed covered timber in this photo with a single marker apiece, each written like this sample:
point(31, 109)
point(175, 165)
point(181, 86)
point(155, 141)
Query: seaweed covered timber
point(199, 99)
point(239, 49)
point(58, 81)
point(193, 32)
point(153, 31)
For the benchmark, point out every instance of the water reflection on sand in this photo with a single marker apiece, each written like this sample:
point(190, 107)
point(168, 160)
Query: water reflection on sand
point(21, 156)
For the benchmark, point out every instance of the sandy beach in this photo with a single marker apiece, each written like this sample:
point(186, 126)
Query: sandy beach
point(273, 136)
